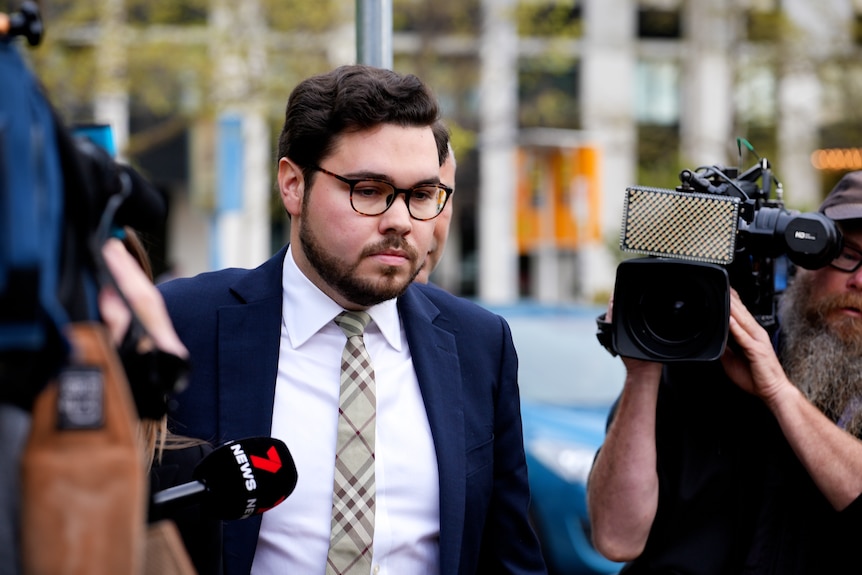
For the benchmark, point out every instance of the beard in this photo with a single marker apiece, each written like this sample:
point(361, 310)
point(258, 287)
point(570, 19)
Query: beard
point(343, 277)
point(822, 353)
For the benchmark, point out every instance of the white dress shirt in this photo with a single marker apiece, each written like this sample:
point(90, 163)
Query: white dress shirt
point(294, 536)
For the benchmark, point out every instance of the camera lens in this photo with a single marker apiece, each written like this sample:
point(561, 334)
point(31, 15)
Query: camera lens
point(673, 314)
point(669, 310)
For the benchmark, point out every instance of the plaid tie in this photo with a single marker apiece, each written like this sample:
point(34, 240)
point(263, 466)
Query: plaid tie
point(353, 493)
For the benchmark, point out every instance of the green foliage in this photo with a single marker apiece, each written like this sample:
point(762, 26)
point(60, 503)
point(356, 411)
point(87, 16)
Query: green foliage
point(547, 18)
point(163, 55)
point(764, 25)
point(167, 79)
point(434, 17)
point(306, 16)
point(659, 160)
point(65, 12)
point(154, 12)
point(66, 74)
point(463, 140)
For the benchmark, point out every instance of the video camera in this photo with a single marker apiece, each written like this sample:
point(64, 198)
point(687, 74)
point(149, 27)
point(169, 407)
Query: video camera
point(719, 228)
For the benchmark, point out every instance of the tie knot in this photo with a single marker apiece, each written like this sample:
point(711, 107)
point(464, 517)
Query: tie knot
point(352, 323)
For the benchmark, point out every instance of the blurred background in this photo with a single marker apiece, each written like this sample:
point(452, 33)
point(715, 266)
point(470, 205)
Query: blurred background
point(554, 106)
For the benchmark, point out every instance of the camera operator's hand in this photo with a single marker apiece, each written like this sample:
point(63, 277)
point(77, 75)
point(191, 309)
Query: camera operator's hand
point(623, 487)
point(144, 298)
point(638, 370)
point(754, 365)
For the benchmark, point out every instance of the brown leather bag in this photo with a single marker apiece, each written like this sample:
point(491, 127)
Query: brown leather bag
point(84, 484)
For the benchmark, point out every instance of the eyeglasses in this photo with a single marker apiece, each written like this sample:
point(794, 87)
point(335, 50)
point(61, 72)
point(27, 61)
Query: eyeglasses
point(371, 197)
point(848, 260)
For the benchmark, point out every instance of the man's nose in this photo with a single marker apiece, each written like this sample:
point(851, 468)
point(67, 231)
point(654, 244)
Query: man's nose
point(855, 279)
point(397, 216)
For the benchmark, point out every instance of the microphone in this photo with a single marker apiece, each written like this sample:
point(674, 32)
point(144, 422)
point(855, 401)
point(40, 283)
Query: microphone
point(236, 480)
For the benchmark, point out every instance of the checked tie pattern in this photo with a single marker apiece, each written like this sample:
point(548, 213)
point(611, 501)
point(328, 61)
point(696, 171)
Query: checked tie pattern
point(352, 529)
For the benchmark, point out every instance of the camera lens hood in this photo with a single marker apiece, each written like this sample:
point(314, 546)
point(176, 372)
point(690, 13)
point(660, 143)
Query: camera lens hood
point(812, 239)
point(670, 310)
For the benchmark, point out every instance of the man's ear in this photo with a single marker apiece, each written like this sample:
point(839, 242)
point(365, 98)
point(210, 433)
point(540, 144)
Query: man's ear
point(291, 186)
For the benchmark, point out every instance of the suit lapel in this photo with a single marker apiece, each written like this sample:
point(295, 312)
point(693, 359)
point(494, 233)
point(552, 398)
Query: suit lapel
point(435, 359)
point(249, 335)
point(248, 365)
point(248, 345)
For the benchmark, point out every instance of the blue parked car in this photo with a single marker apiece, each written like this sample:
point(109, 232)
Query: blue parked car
point(568, 383)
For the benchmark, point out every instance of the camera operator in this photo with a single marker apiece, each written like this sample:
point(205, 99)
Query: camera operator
point(698, 475)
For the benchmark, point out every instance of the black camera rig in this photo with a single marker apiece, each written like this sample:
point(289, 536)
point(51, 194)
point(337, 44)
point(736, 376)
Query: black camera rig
point(719, 228)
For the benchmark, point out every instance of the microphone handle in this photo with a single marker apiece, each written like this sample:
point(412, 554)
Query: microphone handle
point(186, 491)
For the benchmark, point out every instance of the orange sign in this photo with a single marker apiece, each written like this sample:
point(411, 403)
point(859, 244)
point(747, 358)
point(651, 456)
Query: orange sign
point(558, 197)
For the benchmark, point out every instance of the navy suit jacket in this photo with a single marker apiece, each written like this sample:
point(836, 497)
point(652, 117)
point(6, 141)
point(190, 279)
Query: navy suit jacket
point(467, 370)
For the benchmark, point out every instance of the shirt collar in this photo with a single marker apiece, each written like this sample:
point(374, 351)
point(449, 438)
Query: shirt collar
point(306, 309)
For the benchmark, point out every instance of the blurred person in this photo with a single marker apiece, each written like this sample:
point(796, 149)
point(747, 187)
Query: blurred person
point(170, 459)
point(441, 224)
point(698, 475)
point(50, 198)
point(442, 485)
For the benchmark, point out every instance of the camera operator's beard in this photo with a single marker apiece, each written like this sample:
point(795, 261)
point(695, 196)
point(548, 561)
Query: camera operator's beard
point(822, 355)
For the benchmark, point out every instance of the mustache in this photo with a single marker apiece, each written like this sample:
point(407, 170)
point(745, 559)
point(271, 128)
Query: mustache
point(828, 304)
point(391, 243)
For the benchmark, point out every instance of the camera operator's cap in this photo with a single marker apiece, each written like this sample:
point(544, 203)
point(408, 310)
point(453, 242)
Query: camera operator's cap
point(844, 202)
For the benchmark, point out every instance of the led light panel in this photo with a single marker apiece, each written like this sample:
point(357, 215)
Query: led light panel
point(692, 226)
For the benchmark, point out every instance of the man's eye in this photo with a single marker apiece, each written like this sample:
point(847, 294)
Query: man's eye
point(370, 189)
point(423, 194)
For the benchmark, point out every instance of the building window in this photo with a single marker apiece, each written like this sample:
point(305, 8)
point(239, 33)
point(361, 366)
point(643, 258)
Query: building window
point(657, 110)
point(548, 94)
point(756, 94)
point(659, 23)
point(657, 93)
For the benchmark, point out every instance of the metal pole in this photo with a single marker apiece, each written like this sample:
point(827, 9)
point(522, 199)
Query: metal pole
point(374, 33)
point(498, 272)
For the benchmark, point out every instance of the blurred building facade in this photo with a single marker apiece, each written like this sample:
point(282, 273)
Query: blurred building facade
point(664, 84)
point(655, 86)
point(556, 107)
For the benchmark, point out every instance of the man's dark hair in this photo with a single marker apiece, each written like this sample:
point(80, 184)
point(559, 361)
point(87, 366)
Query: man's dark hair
point(350, 99)
point(441, 136)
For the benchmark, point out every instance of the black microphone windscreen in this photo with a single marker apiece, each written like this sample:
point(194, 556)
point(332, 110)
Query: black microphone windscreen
point(246, 477)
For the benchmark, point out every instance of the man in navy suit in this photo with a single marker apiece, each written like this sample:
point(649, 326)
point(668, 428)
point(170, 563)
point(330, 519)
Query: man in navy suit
point(451, 477)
